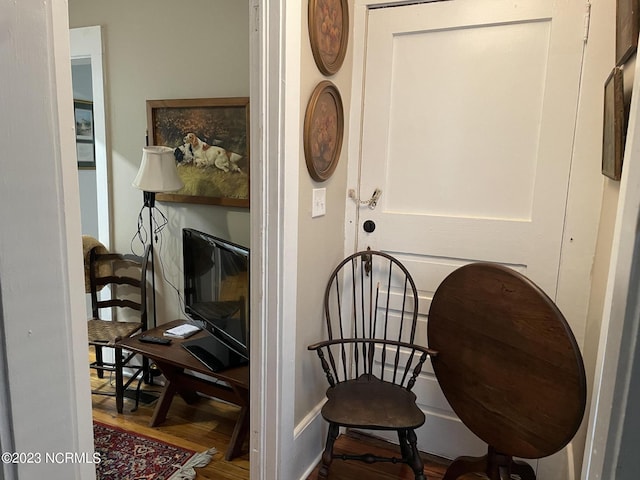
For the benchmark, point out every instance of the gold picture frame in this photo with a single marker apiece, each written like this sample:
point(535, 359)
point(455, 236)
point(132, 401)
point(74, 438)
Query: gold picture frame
point(323, 131)
point(328, 33)
point(215, 166)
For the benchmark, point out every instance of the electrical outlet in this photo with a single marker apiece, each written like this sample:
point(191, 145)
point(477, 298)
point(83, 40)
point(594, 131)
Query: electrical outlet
point(319, 202)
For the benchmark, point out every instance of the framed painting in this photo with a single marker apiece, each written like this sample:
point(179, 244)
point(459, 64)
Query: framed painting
point(323, 131)
point(627, 29)
point(85, 142)
point(83, 113)
point(328, 33)
point(85, 151)
point(614, 128)
point(210, 138)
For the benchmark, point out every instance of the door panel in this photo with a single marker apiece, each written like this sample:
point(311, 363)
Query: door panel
point(472, 70)
point(467, 127)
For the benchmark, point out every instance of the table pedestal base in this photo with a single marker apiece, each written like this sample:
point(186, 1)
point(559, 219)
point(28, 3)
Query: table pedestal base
point(494, 465)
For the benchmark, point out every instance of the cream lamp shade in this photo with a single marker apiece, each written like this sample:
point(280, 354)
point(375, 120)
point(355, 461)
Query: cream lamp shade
point(158, 172)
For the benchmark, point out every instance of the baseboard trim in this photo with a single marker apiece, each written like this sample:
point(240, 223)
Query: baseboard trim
point(308, 419)
point(308, 438)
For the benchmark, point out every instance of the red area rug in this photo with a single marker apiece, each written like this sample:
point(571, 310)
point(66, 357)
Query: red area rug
point(128, 456)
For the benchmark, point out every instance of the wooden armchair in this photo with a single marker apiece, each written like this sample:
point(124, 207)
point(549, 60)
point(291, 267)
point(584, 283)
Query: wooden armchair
point(123, 278)
point(370, 359)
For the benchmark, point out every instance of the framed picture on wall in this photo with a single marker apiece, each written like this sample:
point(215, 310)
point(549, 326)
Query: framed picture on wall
point(614, 126)
point(83, 113)
point(328, 22)
point(85, 152)
point(210, 141)
point(627, 29)
point(323, 131)
point(85, 141)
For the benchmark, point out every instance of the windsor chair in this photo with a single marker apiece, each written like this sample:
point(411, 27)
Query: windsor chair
point(369, 358)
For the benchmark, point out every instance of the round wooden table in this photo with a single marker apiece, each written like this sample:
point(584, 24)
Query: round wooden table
point(509, 366)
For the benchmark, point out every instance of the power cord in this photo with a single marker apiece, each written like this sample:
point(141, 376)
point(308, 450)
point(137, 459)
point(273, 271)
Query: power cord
point(142, 235)
point(156, 228)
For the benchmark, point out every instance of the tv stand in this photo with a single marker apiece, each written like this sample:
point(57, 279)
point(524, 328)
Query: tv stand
point(174, 361)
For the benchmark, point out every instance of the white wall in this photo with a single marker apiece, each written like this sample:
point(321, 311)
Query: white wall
point(598, 62)
point(320, 239)
point(320, 249)
point(41, 285)
point(613, 424)
point(164, 49)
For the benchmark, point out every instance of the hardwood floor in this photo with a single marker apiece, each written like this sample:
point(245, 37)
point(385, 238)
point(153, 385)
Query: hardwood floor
point(200, 427)
point(210, 424)
point(356, 443)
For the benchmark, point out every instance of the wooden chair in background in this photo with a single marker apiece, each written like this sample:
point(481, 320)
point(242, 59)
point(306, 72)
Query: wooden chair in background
point(123, 278)
point(370, 359)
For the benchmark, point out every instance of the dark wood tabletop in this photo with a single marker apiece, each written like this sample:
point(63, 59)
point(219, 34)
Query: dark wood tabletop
point(175, 355)
point(507, 360)
point(178, 365)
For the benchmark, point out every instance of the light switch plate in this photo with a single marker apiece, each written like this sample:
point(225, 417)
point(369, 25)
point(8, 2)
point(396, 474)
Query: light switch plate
point(319, 202)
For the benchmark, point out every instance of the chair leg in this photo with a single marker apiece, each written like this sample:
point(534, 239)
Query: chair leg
point(405, 448)
point(119, 381)
point(99, 363)
point(327, 456)
point(146, 370)
point(416, 463)
point(140, 380)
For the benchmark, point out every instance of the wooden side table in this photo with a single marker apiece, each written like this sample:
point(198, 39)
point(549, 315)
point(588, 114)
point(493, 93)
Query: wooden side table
point(509, 365)
point(174, 362)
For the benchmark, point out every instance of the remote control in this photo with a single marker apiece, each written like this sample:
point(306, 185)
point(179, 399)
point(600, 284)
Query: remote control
point(158, 340)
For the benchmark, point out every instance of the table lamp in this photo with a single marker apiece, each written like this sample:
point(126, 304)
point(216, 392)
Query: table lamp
point(158, 173)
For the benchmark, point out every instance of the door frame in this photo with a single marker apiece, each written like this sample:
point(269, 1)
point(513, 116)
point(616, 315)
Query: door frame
point(86, 43)
point(275, 99)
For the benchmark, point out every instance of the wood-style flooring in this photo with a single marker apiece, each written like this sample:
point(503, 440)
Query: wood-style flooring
point(210, 424)
point(355, 443)
point(197, 427)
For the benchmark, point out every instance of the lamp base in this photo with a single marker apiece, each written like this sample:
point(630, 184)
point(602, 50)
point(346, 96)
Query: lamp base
point(149, 199)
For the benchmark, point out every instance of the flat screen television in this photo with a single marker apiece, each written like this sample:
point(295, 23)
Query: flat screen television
point(216, 295)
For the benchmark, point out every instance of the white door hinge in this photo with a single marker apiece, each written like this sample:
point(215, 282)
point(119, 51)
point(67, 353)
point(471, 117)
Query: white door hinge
point(587, 21)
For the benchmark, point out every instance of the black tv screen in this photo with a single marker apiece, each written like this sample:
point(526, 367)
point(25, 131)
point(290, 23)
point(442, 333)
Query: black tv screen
point(216, 288)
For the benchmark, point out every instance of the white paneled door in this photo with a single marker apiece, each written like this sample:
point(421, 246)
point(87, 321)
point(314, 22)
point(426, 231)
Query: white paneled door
point(468, 120)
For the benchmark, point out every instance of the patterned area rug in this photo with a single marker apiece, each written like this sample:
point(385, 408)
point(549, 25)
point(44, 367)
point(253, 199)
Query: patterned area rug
point(128, 456)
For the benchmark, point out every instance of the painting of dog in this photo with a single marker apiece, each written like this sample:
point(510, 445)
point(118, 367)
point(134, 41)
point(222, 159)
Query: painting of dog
point(209, 138)
point(205, 155)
